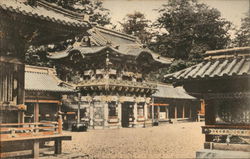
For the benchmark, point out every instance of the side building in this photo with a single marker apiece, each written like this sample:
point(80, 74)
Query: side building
point(222, 80)
point(43, 94)
point(174, 104)
point(110, 69)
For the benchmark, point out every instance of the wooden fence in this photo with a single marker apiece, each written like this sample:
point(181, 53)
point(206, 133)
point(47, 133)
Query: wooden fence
point(17, 130)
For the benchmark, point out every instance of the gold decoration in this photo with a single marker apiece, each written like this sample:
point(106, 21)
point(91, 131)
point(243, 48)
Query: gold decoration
point(22, 107)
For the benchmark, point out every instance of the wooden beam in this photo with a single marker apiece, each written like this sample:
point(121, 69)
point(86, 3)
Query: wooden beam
point(10, 60)
point(160, 104)
point(42, 101)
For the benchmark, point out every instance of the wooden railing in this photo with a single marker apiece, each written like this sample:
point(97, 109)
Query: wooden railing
point(19, 130)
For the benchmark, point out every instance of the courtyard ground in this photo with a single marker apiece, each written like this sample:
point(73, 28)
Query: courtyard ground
point(179, 140)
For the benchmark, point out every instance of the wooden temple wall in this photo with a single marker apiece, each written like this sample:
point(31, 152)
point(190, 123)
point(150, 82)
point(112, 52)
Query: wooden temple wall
point(168, 110)
point(11, 88)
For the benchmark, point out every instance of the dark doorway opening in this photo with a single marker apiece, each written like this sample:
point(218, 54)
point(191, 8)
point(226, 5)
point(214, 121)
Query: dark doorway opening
point(127, 113)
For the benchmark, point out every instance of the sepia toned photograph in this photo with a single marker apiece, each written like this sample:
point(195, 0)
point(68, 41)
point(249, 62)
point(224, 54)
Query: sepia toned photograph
point(124, 79)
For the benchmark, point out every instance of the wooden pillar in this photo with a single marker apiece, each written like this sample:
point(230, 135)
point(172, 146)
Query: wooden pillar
point(135, 113)
point(35, 151)
point(91, 115)
point(152, 110)
point(59, 106)
point(79, 108)
point(158, 112)
point(175, 112)
point(167, 117)
point(20, 116)
point(190, 111)
point(119, 107)
point(58, 146)
point(36, 112)
point(106, 114)
point(183, 111)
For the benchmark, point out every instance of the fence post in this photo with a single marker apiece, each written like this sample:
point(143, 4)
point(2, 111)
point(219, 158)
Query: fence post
point(59, 124)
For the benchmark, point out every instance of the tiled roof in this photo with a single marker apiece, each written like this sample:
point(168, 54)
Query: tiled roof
point(229, 66)
point(42, 79)
point(170, 92)
point(100, 36)
point(127, 50)
point(120, 43)
point(45, 11)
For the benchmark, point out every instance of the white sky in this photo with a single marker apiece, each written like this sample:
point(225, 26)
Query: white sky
point(232, 10)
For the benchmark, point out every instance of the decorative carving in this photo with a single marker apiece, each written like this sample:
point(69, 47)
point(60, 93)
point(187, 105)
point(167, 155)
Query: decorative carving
point(224, 131)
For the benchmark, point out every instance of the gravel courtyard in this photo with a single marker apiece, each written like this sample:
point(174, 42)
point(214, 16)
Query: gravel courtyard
point(179, 140)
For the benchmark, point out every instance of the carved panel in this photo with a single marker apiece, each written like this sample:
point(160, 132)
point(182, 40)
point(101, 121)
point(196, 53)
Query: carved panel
point(221, 131)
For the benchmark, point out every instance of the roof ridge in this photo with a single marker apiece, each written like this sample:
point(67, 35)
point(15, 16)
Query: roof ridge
point(120, 34)
point(59, 9)
point(225, 53)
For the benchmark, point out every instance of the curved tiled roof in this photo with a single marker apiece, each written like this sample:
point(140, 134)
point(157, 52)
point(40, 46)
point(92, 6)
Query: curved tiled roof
point(45, 11)
point(229, 66)
point(127, 50)
point(42, 79)
point(120, 43)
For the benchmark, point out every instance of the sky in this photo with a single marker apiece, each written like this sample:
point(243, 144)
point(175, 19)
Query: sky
point(232, 10)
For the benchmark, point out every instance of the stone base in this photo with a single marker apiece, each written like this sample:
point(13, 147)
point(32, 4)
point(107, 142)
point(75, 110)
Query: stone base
point(207, 153)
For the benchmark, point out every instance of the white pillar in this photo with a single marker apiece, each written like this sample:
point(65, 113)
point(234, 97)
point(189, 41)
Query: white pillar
point(91, 115)
point(106, 113)
point(152, 110)
point(145, 111)
point(135, 113)
point(119, 107)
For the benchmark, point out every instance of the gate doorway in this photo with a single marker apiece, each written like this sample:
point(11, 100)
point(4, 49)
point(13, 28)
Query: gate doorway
point(127, 113)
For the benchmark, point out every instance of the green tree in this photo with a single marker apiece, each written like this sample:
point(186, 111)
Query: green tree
point(136, 24)
point(191, 29)
point(243, 34)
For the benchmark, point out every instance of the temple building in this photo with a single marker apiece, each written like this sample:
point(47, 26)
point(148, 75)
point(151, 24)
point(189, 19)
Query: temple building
point(110, 69)
point(173, 104)
point(22, 25)
point(222, 80)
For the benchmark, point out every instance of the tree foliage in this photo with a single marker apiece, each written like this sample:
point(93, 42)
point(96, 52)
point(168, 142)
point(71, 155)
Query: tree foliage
point(191, 29)
point(136, 24)
point(243, 34)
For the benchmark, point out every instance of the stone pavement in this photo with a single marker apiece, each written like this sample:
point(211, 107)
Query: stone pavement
point(180, 140)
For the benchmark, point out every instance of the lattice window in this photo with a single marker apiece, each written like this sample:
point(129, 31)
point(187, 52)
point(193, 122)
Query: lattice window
point(113, 111)
point(233, 113)
point(140, 110)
